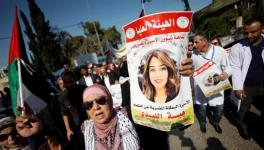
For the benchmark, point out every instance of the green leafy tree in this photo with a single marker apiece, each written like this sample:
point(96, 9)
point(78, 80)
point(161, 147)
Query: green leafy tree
point(97, 38)
point(94, 35)
point(53, 48)
point(73, 45)
point(43, 41)
point(260, 7)
point(217, 25)
point(37, 62)
point(67, 50)
point(255, 9)
point(112, 36)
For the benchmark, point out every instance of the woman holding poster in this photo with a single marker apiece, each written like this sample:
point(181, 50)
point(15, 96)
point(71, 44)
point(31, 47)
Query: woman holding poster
point(160, 77)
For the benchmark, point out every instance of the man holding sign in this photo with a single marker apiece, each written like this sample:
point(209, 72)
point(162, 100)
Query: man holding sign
point(213, 62)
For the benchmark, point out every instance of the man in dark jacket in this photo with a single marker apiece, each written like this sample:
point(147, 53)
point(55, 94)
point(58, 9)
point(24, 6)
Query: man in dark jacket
point(71, 109)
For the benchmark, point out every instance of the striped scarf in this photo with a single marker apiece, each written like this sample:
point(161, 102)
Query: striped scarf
point(127, 133)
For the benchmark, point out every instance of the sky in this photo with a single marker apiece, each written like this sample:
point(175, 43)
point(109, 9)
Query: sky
point(67, 15)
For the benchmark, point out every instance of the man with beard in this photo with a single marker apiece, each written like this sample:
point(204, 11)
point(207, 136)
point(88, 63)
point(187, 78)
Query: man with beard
point(246, 60)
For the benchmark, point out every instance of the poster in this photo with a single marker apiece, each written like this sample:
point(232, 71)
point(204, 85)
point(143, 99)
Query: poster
point(206, 78)
point(160, 97)
point(115, 91)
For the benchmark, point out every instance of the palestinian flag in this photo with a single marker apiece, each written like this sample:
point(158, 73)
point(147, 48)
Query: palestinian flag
point(17, 52)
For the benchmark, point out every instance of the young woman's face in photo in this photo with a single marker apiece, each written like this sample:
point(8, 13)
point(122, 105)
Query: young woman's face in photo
point(158, 73)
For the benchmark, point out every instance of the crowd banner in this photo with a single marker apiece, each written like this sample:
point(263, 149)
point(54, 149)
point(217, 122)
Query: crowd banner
point(115, 91)
point(160, 97)
point(206, 78)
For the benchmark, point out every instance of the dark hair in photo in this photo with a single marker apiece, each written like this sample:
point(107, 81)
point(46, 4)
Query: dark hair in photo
point(173, 83)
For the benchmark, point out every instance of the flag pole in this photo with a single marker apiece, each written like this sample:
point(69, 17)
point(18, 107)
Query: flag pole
point(143, 7)
point(20, 83)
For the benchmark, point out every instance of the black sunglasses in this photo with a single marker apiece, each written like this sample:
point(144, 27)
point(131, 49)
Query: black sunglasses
point(88, 105)
point(215, 43)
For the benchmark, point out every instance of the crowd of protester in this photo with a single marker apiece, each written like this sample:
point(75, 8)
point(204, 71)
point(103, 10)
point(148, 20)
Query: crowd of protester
point(3, 72)
point(77, 93)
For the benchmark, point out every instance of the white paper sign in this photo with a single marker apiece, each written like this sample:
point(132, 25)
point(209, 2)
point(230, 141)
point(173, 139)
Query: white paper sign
point(160, 97)
point(206, 77)
point(115, 91)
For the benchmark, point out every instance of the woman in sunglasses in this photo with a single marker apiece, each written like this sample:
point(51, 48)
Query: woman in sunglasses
point(216, 41)
point(107, 128)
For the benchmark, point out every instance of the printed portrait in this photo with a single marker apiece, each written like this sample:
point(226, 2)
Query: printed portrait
point(211, 79)
point(159, 78)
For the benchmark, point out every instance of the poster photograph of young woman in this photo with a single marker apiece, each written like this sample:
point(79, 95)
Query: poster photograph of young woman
point(160, 96)
point(159, 77)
